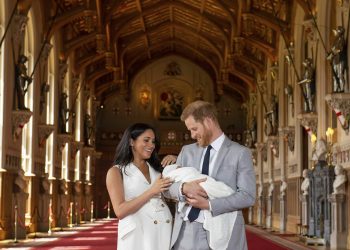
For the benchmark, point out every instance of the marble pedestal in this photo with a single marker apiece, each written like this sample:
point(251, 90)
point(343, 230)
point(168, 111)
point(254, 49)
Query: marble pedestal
point(304, 214)
point(250, 215)
point(338, 237)
point(283, 213)
point(260, 211)
point(269, 213)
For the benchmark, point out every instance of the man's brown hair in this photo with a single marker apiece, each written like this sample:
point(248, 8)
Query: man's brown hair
point(200, 110)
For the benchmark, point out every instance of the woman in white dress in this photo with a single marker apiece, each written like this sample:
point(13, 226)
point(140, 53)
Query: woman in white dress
point(135, 185)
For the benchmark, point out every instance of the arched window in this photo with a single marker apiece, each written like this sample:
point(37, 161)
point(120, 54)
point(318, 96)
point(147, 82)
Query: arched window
point(27, 140)
point(65, 161)
point(77, 167)
point(88, 140)
point(2, 31)
point(65, 156)
point(88, 168)
point(78, 134)
point(65, 89)
point(78, 114)
point(50, 111)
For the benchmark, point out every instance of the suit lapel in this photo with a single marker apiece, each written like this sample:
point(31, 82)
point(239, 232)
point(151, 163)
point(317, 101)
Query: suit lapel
point(221, 155)
point(198, 151)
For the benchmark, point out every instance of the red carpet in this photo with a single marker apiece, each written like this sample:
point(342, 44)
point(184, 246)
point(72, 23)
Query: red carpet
point(256, 242)
point(102, 235)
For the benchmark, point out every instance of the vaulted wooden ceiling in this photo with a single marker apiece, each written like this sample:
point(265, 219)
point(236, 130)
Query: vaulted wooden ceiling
point(113, 39)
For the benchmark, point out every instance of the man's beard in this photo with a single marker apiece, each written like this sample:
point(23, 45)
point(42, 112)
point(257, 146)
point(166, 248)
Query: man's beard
point(205, 139)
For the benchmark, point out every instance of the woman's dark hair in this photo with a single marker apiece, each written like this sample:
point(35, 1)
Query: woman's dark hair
point(123, 154)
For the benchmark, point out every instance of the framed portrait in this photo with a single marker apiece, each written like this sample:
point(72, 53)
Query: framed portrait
point(171, 104)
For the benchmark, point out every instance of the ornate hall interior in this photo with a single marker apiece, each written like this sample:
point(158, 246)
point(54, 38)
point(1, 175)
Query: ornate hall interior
point(74, 74)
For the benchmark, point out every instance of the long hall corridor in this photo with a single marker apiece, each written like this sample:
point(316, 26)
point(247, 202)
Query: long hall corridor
point(76, 74)
point(102, 235)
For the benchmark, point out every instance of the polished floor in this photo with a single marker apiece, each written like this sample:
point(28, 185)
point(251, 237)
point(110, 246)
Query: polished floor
point(101, 234)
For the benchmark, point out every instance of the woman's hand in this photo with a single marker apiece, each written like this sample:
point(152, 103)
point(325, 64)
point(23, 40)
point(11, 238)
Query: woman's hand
point(168, 159)
point(160, 185)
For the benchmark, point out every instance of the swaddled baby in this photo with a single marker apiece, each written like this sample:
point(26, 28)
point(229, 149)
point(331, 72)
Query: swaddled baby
point(219, 227)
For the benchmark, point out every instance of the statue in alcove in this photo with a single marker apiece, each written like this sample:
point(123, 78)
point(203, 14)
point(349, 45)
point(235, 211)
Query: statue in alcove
point(88, 129)
point(63, 113)
point(338, 58)
point(271, 117)
point(253, 129)
point(22, 81)
point(283, 187)
point(320, 151)
point(308, 85)
point(306, 183)
point(340, 180)
point(248, 142)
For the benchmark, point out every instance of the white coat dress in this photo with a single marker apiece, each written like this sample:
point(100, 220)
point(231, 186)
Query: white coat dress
point(150, 227)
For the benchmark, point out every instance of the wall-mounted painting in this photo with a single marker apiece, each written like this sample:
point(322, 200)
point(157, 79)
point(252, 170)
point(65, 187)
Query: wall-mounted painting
point(170, 104)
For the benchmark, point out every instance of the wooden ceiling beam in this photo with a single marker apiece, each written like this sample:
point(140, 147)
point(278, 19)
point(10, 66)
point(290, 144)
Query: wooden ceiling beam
point(247, 79)
point(144, 28)
point(149, 10)
point(77, 42)
point(182, 28)
point(85, 62)
point(186, 45)
point(66, 18)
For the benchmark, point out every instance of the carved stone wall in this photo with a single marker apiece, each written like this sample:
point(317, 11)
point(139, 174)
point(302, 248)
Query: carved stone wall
point(293, 196)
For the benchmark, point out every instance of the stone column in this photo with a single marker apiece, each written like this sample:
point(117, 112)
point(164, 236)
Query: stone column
point(44, 204)
point(260, 147)
point(283, 207)
point(19, 199)
point(269, 205)
point(77, 202)
point(250, 215)
point(62, 204)
point(304, 213)
point(260, 210)
point(89, 199)
point(338, 234)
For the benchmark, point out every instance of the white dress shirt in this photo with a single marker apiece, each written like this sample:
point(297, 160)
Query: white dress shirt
point(216, 145)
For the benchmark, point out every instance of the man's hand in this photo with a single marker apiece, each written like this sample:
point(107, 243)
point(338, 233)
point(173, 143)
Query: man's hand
point(193, 189)
point(198, 201)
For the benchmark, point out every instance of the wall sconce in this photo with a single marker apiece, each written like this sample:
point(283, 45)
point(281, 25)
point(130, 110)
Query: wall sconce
point(313, 141)
point(274, 71)
point(329, 137)
point(288, 90)
point(145, 97)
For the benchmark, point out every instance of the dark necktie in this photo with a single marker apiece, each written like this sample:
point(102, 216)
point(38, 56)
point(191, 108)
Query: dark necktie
point(194, 212)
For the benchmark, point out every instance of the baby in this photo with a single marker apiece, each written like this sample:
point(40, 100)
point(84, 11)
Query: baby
point(219, 227)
